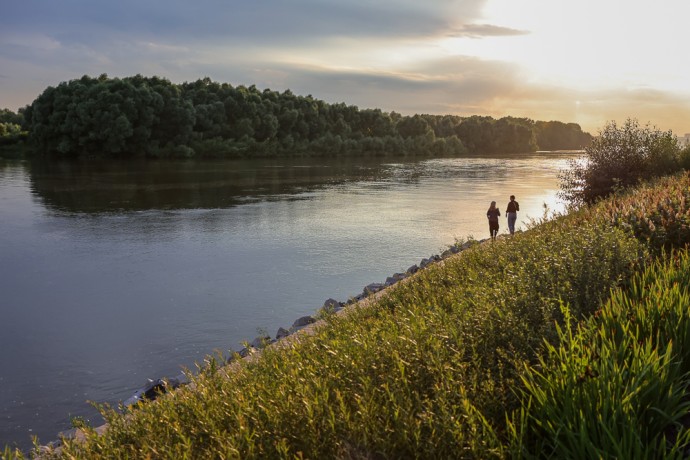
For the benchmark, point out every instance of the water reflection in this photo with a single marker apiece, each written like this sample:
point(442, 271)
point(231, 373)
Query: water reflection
point(103, 186)
point(110, 186)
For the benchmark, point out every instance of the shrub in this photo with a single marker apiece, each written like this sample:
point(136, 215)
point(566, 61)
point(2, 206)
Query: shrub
point(620, 157)
point(657, 213)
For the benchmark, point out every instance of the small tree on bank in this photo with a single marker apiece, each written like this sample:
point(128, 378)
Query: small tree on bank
point(620, 157)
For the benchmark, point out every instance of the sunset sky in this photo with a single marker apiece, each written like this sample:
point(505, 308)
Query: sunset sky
point(583, 61)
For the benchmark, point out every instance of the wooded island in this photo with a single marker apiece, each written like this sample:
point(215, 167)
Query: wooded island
point(151, 117)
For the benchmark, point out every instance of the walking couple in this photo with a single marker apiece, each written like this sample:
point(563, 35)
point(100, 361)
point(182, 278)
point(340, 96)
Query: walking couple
point(511, 213)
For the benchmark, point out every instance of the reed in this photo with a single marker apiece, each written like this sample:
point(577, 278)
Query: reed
point(616, 386)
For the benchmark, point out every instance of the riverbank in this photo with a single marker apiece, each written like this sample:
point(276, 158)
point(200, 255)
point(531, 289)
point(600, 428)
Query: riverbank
point(435, 367)
point(306, 325)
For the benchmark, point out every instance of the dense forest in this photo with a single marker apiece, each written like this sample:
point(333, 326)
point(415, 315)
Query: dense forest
point(151, 117)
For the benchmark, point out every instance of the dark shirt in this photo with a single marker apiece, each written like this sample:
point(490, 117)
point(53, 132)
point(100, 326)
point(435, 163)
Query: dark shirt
point(513, 206)
point(493, 214)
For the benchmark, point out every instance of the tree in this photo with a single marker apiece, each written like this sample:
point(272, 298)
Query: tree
point(152, 117)
point(414, 126)
point(556, 135)
point(619, 157)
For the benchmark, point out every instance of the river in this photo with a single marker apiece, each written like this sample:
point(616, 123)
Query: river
point(112, 273)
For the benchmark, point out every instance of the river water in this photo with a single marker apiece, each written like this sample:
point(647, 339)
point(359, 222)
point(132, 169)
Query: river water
point(113, 273)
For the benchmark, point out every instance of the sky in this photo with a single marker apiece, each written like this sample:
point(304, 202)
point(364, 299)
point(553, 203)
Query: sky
point(587, 61)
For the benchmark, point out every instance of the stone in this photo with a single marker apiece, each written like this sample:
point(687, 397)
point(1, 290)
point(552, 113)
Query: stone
point(303, 321)
point(151, 390)
point(395, 278)
point(260, 341)
point(373, 288)
point(244, 352)
point(331, 304)
point(282, 333)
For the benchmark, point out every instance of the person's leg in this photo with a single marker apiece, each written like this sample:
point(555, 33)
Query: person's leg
point(512, 217)
point(493, 228)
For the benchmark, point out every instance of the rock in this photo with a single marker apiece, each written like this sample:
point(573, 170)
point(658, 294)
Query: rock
point(244, 352)
point(424, 263)
point(332, 304)
point(282, 333)
point(395, 278)
point(302, 322)
point(413, 269)
point(151, 390)
point(68, 434)
point(260, 341)
point(373, 288)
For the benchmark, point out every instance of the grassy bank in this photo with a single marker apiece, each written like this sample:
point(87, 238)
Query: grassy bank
point(466, 360)
point(617, 385)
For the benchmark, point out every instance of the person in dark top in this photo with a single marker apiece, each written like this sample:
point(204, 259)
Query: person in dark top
point(493, 214)
point(511, 213)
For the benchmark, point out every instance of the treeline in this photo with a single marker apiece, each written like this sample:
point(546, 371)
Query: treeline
point(12, 134)
point(152, 117)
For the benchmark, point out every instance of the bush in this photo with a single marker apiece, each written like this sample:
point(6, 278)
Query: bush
point(620, 157)
point(684, 158)
point(657, 213)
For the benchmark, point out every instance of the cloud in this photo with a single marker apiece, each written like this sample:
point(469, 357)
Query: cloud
point(485, 30)
point(430, 87)
point(258, 21)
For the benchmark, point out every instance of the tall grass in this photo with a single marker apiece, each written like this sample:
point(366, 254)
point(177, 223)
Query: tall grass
point(617, 385)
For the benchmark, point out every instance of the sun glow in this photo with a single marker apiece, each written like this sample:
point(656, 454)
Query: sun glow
point(588, 45)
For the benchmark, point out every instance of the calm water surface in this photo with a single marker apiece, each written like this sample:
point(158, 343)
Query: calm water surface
point(112, 273)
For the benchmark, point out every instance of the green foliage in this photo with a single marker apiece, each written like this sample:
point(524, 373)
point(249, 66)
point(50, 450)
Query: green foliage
point(657, 213)
point(12, 135)
point(508, 134)
point(151, 117)
point(616, 387)
point(556, 135)
point(8, 117)
point(110, 117)
point(684, 158)
point(620, 157)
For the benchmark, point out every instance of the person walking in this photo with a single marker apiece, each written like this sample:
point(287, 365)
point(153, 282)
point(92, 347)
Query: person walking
point(511, 213)
point(493, 214)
